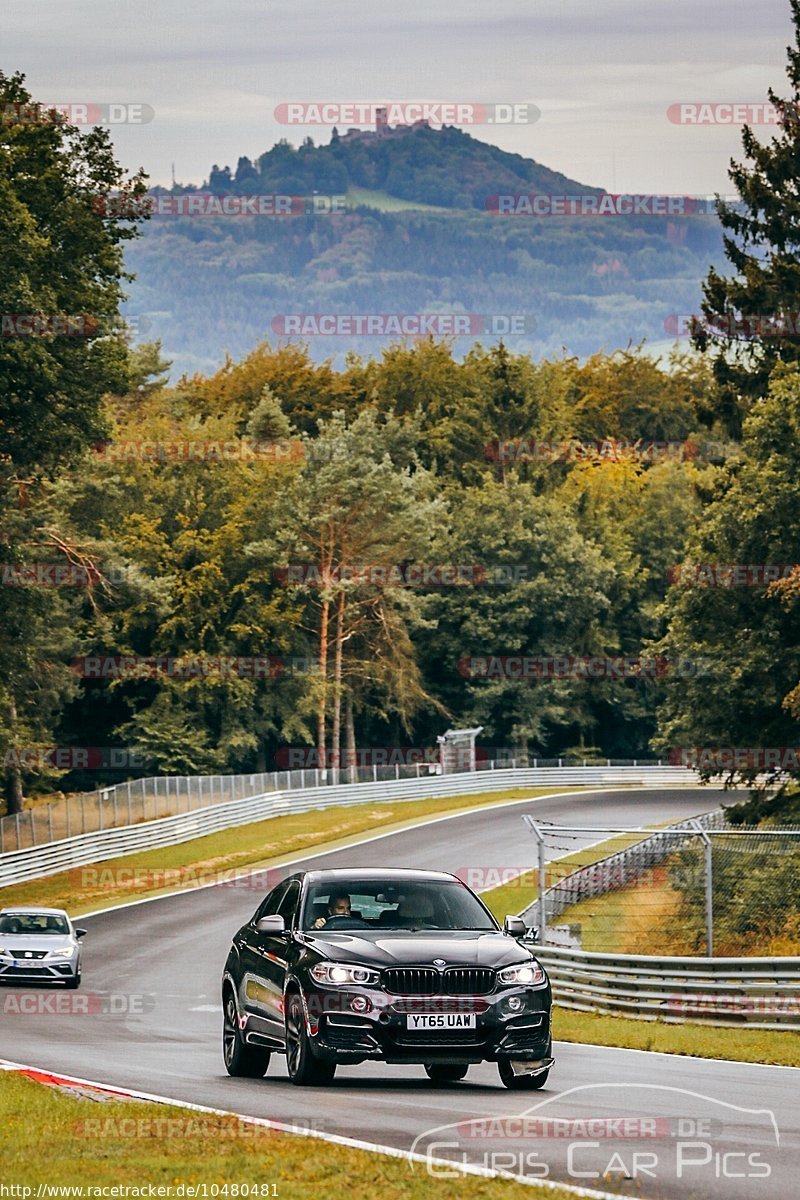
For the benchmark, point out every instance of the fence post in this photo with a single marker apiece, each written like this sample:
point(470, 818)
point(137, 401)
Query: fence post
point(33, 828)
point(50, 822)
point(709, 882)
point(19, 843)
point(130, 815)
point(542, 904)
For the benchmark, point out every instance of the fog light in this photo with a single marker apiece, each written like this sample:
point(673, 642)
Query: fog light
point(514, 1003)
point(360, 1004)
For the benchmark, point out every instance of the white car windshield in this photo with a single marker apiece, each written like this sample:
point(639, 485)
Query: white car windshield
point(28, 923)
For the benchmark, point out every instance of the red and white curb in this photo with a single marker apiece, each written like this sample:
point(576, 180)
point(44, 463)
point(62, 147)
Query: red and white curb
point(90, 1089)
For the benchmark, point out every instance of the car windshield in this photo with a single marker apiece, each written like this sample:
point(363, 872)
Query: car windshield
point(26, 923)
point(383, 904)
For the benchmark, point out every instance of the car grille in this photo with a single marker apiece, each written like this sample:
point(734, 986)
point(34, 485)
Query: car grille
point(27, 955)
point(425, 981)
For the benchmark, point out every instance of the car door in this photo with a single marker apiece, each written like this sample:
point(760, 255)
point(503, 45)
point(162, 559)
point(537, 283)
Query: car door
point(278, 955)
point(273, 951)
point(253, 985)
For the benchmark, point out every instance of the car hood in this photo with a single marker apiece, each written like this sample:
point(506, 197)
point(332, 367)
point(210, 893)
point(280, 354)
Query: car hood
point(35, 941)
point(388, 949)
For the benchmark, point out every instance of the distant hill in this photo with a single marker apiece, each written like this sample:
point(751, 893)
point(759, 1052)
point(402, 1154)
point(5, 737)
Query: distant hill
point(416, 239)
point(444, 167)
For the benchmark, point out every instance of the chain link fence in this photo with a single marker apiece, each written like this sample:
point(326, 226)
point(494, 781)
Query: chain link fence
point(698, 887)
point(139, 800)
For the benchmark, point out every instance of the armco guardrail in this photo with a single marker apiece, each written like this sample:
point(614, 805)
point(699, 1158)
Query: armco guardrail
point(49, 859)
point(760, 993)
point(149, 798)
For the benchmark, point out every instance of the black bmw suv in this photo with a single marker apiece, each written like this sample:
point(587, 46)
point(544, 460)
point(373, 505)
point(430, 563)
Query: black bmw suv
point(399, 966)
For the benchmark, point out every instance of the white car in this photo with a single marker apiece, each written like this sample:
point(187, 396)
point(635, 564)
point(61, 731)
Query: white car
point(39, 945)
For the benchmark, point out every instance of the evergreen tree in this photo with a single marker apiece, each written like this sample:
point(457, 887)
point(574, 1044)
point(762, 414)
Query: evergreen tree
point(762, 243)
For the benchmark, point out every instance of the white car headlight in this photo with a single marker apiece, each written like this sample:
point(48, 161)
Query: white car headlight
point(338, 973)
point(65, 952)
point(528, 974)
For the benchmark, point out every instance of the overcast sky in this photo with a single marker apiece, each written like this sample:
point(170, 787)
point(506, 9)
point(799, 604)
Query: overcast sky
point(602, 72)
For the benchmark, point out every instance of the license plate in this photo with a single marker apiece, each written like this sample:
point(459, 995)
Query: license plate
point(440, 1021)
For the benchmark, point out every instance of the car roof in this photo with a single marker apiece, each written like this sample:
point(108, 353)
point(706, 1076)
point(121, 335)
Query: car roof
point(396, 874)
point(20, 909)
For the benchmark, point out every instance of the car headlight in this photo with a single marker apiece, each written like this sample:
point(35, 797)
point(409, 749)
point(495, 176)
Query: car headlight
point(6, 952)
point(528, 974)
point(66, 952)
point(338, 973)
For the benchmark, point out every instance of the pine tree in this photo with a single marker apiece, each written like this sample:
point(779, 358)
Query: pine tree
point(762, 243)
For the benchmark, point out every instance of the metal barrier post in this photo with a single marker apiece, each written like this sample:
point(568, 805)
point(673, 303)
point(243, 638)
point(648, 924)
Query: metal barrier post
point(542, 900)
point(709, 881)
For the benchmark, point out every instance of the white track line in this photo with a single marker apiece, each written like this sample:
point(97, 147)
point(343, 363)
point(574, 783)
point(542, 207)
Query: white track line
point(289, 862)
point(334, 1138)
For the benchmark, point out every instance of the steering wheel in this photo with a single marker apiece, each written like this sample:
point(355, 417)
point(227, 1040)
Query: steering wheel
point(344, 922)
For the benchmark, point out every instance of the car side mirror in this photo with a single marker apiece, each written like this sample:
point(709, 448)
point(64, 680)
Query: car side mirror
point(273, 924)
point(514, 926)
point(81, 933)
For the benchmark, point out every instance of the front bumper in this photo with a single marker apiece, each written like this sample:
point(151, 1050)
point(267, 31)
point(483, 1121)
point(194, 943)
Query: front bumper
point(513, 1023)
point(45, 970)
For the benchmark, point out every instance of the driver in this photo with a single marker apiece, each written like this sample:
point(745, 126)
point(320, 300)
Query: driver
point(338, 906)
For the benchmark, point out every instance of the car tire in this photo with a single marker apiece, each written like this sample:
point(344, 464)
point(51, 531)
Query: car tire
point(249, 1062)
point(73, 983)
point(445, 1072)
point(521, 1083)
point(304, 1067)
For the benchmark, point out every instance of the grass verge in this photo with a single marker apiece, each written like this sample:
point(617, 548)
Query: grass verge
point(57, 1139)
point(776, 1047)
point(262, 844)
point(602, 918)
point(518, 893)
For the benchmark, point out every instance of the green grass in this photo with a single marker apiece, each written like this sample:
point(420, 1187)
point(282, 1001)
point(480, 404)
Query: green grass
point(386, 203)
point(779, 1047)
point(516, 895)
point(57, 1139)
point(262, 844)
point(602, 919)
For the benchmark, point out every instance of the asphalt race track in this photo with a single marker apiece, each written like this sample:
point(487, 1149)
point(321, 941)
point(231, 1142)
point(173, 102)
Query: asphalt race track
point(701, 1128)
